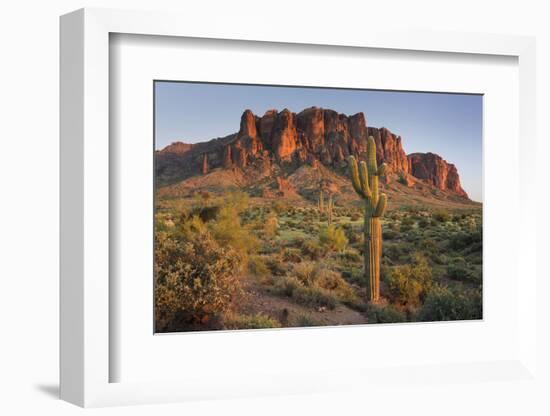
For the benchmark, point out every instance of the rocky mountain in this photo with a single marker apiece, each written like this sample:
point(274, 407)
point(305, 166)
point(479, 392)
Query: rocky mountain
point(281, 142)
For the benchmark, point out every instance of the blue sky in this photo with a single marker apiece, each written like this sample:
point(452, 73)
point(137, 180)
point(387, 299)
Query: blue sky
point(447, 124)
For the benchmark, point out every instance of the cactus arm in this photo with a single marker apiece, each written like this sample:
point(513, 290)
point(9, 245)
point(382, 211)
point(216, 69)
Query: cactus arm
point(364, 178)
point(381, 206)
point(382, 169)
point(371, 156)
point(355, 181)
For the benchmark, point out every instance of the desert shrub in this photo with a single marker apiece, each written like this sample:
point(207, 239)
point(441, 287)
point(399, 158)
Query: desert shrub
point(206, 213)
point(256, 321)
point(458, 269)
point(461, 240)
point(195, 280)
point(305, 272)
point(384, 314)
point(292, 224)
point(389, 234)
point(444, 304)
point(408, 284)
point(441, 215)
point(305, 319)
point(333, 238)
point(279, 206)
point(354, 236)
point(285, 286)
point(413, 235)
point(293, 287)
point(315, 297)
point(292, 255)
point(396, 252)
point(314, 285)
point(271, 226)
point(275, 266)
point(329, 279)
point(228, 231)
point(408, 220)
point(298, 241)
point(351, 255)
point(355, 216)
point(354, 275)
point(313, 249)
point(429, 245)
point(257, 266)
point(424, 222)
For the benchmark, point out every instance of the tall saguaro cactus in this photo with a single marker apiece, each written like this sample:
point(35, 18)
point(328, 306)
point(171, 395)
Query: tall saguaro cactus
point(365, 182)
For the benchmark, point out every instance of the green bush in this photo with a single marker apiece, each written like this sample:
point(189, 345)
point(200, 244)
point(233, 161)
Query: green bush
point(315, 297)
point(271, 226)
point(408, 284)
point(314, 285)
point(256, 321)
point(313, 249)
point(285, 286)
point(333, 238)
point(441, 215)
point(292, 255)
point(389, 234)
point(351, 256)
point(305, 319)
point(276, 266)
point(444, 304)
point(195, 280)
point(458, 271)
point(384, 315)
point(463, 240)
point(257, 266)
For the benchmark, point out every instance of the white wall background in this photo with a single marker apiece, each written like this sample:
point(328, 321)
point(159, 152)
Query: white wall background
point(29, 194)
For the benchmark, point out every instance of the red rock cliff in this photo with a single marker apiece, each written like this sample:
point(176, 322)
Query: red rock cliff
point(315, 135)
point(433, 169)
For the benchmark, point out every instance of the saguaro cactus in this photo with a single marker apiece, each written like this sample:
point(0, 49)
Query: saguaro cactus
point(365, 182)
point(329, 209)
point(321, 202)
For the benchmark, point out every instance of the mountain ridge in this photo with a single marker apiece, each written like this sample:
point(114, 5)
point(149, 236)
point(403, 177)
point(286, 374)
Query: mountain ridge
point(314, 136)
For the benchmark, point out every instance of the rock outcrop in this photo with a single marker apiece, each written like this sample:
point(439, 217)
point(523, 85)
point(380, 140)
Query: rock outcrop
point(436, 171)
point(313, 136)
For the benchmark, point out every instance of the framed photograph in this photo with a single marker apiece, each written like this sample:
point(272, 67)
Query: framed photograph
point(313, 218)
point(284, 213)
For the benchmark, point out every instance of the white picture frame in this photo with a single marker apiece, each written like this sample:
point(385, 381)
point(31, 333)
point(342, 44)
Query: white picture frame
point(85, 352)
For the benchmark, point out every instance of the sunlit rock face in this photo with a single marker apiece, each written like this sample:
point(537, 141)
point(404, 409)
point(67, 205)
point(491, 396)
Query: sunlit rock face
point(313, 136)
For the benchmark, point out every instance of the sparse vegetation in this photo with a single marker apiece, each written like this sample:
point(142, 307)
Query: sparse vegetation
point(236, 259)
point(235, 262)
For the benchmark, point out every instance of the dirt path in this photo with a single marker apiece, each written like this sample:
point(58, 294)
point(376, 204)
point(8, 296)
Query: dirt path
point(288, 313)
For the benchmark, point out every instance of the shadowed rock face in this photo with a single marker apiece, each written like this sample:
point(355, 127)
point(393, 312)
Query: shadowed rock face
point(313, 136)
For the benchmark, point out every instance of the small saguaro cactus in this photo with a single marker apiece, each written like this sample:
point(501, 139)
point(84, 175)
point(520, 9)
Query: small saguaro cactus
point(329, 209)
point(365, 182)
point(321, 202)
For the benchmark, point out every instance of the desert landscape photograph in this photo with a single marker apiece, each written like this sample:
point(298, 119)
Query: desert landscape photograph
point(279, 207)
